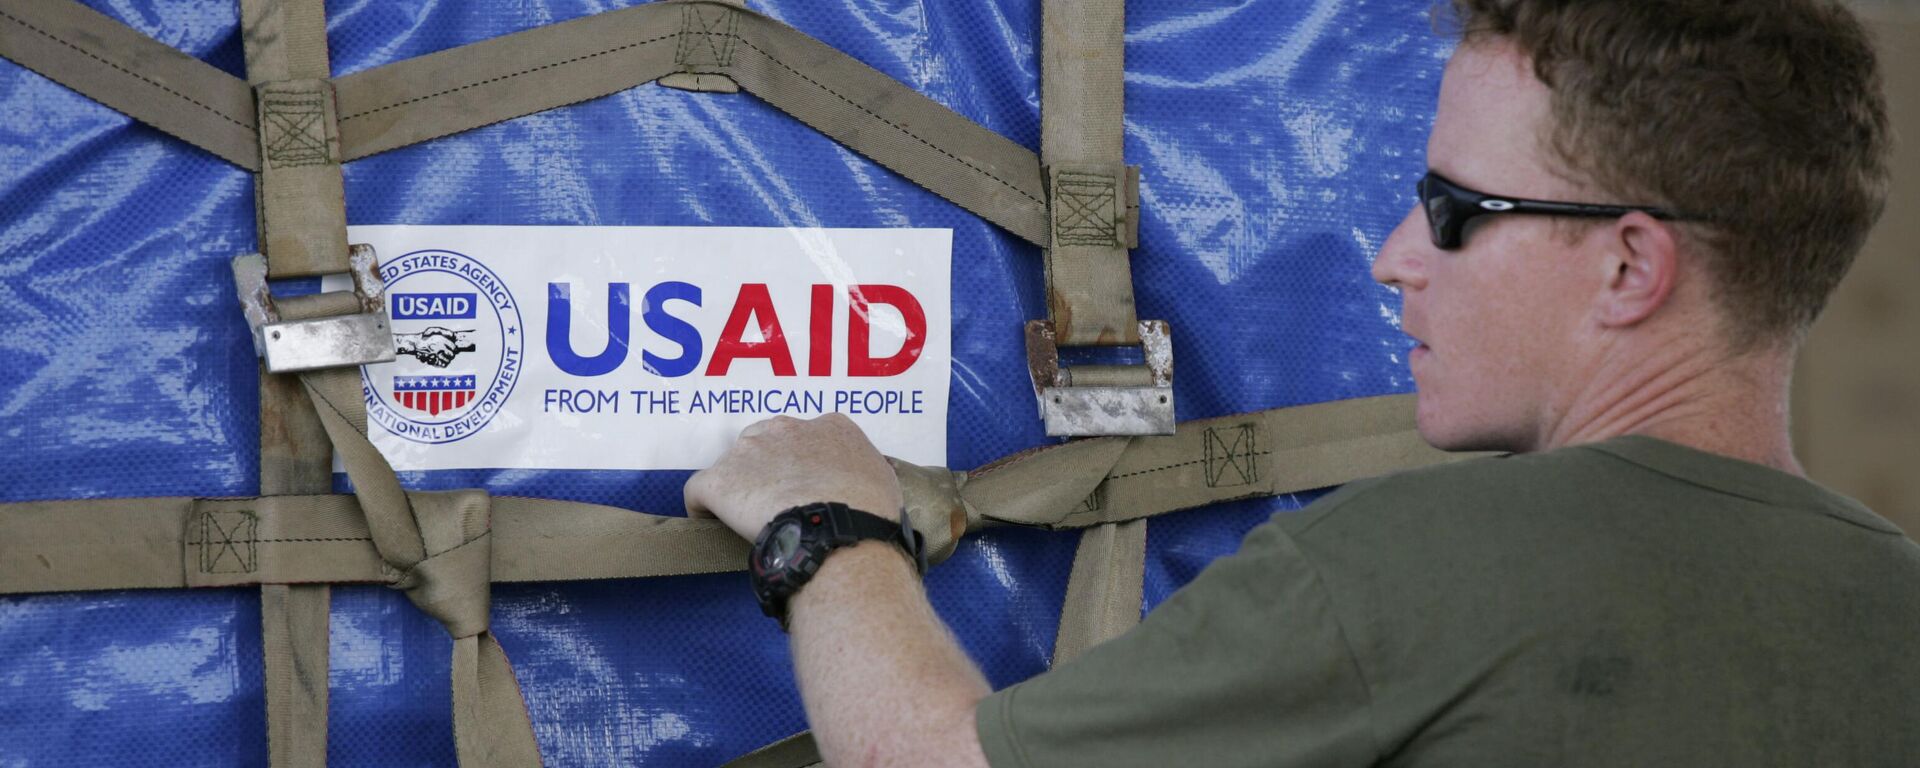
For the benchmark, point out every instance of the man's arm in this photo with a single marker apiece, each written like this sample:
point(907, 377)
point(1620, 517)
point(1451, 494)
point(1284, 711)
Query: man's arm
point(883, 681)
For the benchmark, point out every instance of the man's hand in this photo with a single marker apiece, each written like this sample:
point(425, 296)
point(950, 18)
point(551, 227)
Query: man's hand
point(882, 679)
point(784, 462)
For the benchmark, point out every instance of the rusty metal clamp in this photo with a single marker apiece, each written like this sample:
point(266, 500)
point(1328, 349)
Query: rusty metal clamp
point(323, 342)
point(1103, 399)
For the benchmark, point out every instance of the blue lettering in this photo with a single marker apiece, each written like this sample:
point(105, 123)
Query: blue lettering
point(560, 329)
point(654, 312)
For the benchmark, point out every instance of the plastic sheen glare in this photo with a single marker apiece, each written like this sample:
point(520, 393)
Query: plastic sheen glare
point(1279, 140)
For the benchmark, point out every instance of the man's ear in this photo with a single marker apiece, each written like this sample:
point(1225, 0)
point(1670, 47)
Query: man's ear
point(1643, 266)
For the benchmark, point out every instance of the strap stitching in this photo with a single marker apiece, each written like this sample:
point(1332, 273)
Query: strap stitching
point(895, 126)
point(1178, 465)
point(1231, 456)
point(1082, 215)
point(244, 526)
point(122, 70)
point(296, 133)
point(510, 76)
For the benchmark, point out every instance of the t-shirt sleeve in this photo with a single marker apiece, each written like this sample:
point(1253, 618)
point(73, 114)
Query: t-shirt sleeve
point(1246, 665)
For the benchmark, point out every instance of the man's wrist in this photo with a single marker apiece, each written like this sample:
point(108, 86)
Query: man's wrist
point(852, 572)
point(796, 544)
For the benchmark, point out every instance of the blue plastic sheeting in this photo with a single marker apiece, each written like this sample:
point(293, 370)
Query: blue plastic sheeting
point(1280, 142)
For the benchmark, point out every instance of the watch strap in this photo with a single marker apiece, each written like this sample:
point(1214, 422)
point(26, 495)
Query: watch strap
point(828, 526)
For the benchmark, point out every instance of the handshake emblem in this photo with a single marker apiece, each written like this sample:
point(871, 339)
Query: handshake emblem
point(435, 346)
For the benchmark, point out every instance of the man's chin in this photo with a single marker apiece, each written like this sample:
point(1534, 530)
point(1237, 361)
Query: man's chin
point(1444, 430)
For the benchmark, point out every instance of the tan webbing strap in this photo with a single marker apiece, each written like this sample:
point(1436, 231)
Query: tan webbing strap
point(172, 543)
point(706, 39)
point(1263, 453)
point(294, 627)
point(302, 208)
point(463, 88)
point(519, 74)
point(440, 547)
point(163, 543)
point(301, 216)
point(1089, 279)
point(295, 458)
point(548, 540)
point(92, 544)
point(133, 74)
point(796, 751)
point(58, 546)
point(300, 211)
point(474, 85)
point(1105, 590)
point(893, 125)
point(1089, 282)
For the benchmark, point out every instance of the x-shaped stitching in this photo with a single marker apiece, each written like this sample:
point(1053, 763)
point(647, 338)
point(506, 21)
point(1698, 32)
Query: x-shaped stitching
point(1238, 455)
point(229, 541)
point(297, 136)
point(710, 33)
point(1083, 207)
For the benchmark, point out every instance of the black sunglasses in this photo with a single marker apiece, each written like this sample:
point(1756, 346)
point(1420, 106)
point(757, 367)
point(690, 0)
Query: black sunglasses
point(1450, 206)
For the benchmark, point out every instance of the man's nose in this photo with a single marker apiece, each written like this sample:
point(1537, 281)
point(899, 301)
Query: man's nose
point(1402, 259)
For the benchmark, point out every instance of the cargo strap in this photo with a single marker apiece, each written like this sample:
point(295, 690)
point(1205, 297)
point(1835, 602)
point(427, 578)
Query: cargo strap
point(706, 38)
point(475, 85)
point(796, 751)
point(164, 543)
point(1090, 298)
point(381, 533)
point(302, 208)
point(1089, 284)
point(301, 216)
point(106, 61)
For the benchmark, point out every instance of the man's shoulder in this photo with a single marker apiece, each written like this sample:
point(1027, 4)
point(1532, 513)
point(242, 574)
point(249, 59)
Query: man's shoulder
point(1471, 490)
point(1572, 505)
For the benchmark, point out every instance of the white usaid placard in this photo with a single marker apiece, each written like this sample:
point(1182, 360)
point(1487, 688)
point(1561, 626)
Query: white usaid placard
point(652, 347)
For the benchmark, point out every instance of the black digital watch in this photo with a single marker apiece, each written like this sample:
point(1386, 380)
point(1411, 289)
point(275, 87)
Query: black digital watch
point(791, 548)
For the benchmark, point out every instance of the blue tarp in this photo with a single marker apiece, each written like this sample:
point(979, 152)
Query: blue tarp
point(1280, 143)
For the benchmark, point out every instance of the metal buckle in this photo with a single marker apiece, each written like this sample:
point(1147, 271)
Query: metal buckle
point(323, 342)
point(1086, 411)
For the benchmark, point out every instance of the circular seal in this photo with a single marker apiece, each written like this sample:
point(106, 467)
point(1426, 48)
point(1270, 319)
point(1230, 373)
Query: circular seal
point(458, 345)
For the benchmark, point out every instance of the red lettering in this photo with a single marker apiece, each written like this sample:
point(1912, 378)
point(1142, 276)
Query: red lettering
point(752, 302)
point(820, 333)
point(859, 352)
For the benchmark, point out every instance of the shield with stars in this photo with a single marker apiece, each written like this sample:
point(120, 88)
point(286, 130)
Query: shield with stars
point(433, 394)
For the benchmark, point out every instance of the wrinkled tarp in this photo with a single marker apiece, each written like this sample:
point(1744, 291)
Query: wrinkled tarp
point(1280, 143)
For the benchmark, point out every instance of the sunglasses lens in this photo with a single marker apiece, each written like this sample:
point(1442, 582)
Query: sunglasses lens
point(1440, 216)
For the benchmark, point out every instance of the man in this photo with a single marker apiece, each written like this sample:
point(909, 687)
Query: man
point(1650, 581)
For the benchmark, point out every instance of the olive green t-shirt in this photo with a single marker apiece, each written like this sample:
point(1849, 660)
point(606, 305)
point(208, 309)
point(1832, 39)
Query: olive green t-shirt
point(1627, 603)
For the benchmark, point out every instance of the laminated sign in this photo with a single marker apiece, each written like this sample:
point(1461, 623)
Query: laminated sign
point(652, 347)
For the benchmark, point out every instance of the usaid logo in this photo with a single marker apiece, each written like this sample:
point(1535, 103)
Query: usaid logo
point(458, 345)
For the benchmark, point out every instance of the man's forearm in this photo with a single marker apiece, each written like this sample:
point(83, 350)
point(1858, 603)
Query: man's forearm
point(883, 681)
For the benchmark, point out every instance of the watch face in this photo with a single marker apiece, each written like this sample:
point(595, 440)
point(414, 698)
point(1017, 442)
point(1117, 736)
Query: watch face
point(782, 547)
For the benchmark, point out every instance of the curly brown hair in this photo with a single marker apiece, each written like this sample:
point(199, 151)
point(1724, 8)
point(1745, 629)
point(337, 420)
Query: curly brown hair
point(1766, 118)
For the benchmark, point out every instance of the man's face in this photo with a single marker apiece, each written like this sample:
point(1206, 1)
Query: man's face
point(1495, 318)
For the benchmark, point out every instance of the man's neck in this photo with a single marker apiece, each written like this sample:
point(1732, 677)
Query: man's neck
point(1731, 405)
